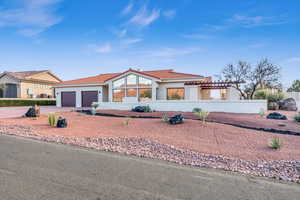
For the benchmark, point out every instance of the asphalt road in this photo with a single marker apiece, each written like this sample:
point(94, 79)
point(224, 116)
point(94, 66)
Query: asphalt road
point(33, 170)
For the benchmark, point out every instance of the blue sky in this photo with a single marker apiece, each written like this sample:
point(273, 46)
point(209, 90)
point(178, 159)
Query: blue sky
point(76, 38)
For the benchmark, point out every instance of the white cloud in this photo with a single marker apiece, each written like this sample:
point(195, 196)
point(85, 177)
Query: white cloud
point(32, 17)
point(102, 49)
point(145, 17)
point(121, 33)
point(293, 60)
point(197, 36)
point(127, 9)
point(128, 42)
point(170, 14)
point(254, 21)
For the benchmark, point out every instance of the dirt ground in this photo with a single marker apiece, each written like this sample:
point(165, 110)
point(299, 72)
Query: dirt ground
point(246, 120)
point(210, 138)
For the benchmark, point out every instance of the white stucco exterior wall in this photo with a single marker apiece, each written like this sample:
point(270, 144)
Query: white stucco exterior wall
point(78, 91)
point(237, 106)
point(233, 94)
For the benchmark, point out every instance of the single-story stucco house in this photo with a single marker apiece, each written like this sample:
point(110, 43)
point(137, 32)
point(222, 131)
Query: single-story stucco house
point(28, 84)
point(160, 89)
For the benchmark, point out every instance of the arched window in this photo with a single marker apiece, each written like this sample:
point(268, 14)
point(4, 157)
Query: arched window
point(132, 85)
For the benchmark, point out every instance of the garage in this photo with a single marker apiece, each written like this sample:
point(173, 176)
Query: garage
point(68, 99)
point(88, 97)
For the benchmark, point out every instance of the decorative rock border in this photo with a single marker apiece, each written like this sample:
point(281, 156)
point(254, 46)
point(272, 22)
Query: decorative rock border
point(281, 170)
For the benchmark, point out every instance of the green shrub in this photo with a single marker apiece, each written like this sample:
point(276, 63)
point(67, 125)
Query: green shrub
point(95, 105)
point(268, 95)
point(26, 102)
point(202, 115)
point(196, 110)
point(275, 97)
point(260, 94)
point(262, 112)
point(297, 117)
point(52, 119)
point(147, 109)
point(165, 118)
point(275, 143)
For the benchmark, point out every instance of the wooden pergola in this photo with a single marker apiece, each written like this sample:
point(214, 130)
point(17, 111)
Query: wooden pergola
point(213, 84)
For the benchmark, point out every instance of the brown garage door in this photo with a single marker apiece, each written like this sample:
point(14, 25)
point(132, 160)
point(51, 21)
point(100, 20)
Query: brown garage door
point(88, 97)
point(68, 99)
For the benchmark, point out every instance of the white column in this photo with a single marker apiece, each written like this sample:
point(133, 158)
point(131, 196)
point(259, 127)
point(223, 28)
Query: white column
point(154, 86)
point(58, 97)
point(191, 93)
point(110, 92)
point(100, 94)
point(78, 98)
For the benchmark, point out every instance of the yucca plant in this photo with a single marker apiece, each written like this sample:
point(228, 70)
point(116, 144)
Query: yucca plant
point(297, 117)
point(52, 119)
point(165, 118)
point(202, 115)
point(126, 122)
point(262, 112)
point(275, 143)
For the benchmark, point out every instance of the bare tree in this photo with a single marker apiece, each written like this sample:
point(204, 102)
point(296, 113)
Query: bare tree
point(263, 75)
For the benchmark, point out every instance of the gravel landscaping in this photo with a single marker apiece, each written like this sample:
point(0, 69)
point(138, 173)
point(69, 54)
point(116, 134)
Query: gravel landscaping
point(208, 138)
point(281, 170)
point(250, 121)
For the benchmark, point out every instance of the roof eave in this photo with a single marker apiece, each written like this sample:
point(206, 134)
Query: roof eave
point(78, 85)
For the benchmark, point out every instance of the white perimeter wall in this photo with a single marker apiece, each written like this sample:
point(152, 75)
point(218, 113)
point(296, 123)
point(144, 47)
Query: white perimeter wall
point(237, 106)
point(78, 91)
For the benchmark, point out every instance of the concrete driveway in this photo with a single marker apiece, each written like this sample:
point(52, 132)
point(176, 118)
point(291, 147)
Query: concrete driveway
point(8, 112)
point(33, 170)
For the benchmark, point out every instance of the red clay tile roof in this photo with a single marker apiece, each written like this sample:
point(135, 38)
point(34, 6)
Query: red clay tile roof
point(158, 74)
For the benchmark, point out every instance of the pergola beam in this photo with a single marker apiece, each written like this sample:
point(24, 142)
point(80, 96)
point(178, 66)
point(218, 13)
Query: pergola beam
point(213, 84)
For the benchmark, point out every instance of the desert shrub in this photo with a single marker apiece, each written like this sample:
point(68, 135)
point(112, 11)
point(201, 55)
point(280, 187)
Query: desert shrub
point(260, 94)
point(95, 105)
point(52, 119)
point(269, 95)
point(126, 122)
point(262, 112)
point(165, 118)
point(147, 109)
point(275, 97)
point(297, 117)
point(26, 102)
point(275, 143)
point(196, 110)
point(202, 115)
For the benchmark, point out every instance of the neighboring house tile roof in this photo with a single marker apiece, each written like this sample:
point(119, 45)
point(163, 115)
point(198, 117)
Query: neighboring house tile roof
point(26, 75)
point(158, 74)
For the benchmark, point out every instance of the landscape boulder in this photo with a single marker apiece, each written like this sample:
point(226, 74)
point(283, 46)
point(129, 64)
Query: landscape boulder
point(138, 109)
point(177, 119)
point(141, 109)
point(61, 123)
point(288, 104)
point(277, 116)
point(33, 111)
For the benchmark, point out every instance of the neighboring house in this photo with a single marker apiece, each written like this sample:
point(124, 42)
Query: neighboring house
point(134, 86)
point(28, 84)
